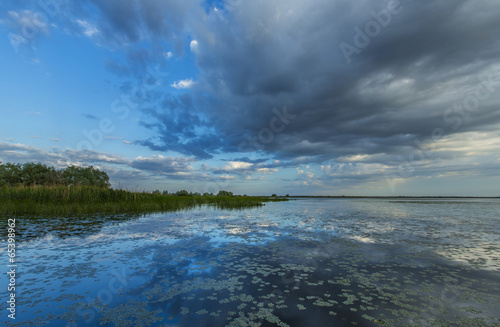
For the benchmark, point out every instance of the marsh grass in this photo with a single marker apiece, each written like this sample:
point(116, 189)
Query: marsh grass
point(71, 200)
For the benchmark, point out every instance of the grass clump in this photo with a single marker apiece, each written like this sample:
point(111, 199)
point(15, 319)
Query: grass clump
point(83, 199)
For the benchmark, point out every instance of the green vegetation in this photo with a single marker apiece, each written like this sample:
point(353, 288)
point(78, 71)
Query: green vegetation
point(30, 174)
point(32, 189)
point(71, 200)
point(225, 193)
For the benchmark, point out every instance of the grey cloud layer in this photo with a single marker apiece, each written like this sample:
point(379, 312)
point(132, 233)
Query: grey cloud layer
point(400, 87)
point(392, 93)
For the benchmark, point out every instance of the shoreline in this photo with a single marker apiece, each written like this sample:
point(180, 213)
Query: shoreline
point(390, 197)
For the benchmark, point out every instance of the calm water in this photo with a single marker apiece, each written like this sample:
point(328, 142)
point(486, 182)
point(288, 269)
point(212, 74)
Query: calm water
point(309, 262)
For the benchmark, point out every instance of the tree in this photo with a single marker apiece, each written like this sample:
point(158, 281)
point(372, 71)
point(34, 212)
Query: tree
point(225, 193)
point(10, 174)
point(182, 193)
point(30, 173)
point(90, 176)
point(39, 174)
point(274, 195)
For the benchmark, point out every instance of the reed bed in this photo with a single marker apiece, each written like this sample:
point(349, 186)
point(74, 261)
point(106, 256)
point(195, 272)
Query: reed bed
point(71, 200)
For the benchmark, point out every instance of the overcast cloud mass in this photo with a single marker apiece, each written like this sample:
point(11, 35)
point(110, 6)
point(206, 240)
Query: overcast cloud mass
point(299, 97)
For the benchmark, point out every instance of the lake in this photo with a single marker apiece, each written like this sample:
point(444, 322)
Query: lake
point(305, 262)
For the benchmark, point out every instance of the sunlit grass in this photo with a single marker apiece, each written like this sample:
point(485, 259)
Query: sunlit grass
point(70, 200)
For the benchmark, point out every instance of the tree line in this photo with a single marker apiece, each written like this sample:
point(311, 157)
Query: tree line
point(30, 173)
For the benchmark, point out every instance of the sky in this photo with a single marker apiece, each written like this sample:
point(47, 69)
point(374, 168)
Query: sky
point(321, 97)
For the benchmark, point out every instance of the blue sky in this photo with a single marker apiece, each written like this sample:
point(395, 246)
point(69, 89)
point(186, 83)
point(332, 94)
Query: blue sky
point(288, 97)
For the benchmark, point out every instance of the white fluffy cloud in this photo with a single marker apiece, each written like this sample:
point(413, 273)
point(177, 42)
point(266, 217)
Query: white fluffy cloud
point(183, 84)
point(237, 165)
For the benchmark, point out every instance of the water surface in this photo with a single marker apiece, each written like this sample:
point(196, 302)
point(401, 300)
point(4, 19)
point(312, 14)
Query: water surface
point(308, 262)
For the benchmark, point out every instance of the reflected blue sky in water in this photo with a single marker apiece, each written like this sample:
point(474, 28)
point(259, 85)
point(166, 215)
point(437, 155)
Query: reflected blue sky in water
point(333, 261)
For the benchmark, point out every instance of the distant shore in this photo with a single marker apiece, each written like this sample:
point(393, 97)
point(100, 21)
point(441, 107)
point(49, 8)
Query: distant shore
point(391, 197)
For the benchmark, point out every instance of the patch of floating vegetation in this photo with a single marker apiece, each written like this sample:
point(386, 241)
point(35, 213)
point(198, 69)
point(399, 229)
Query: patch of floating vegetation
point(129, 314)
point(388, 293)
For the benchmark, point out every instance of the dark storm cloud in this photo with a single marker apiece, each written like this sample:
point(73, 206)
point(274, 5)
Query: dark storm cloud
point(412, 62)
point(395, 92)
point(381, 102)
